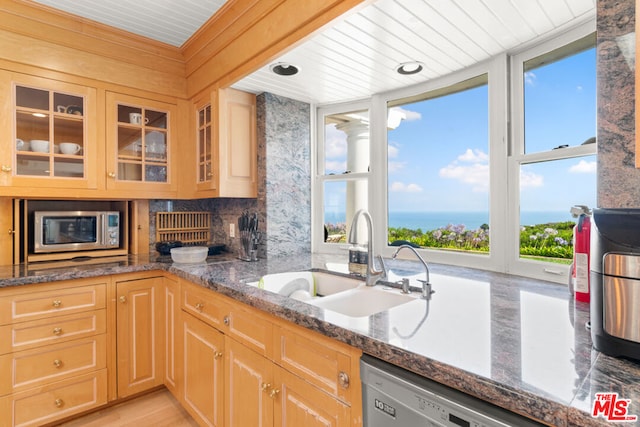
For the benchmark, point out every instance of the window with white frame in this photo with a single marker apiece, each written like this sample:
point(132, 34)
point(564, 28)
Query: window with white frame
point(553, 159)
point(343, 169)
point(444, 150)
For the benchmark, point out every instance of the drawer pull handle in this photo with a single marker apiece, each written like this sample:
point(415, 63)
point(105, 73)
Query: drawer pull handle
point(266, 387)
point(274, 393)
point(217, 355)
point(343, 379)
point(226, 320)
point(57, 363)
point(56, 303)
point(59, 403)
point(57, 331)
point(199, 306)
point(123, 299)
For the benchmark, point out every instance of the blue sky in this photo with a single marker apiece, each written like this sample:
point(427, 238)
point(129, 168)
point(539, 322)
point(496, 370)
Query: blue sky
point(438, 156)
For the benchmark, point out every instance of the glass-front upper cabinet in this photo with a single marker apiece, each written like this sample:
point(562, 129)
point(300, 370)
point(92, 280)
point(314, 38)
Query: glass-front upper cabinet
point(226, 144)
point(205, 172)
point(138, 144)
point(50, 133)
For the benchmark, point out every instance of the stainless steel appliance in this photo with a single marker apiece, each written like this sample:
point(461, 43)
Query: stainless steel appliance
point(393, 397)
point(615, 282)
point(64, 231)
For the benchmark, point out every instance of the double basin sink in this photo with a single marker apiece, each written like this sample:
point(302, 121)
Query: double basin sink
point(350, 296)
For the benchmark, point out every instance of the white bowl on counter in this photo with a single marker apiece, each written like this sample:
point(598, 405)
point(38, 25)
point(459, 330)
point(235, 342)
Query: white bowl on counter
point(189, 254)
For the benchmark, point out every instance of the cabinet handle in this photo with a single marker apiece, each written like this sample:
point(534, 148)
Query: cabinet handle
point(57, 331)
point(199, 307)
point(123, 299)
point(59, 403)
point(217, 355)
point(12, 232)
point(226, 320)
point(6, 168)
point(111, 174)
point(56, 303)
point(266, 387)
point(57, 363)
point(343, 379)
point(274, 393)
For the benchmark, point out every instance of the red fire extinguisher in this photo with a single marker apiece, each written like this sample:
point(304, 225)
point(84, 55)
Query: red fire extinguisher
point(581, 253)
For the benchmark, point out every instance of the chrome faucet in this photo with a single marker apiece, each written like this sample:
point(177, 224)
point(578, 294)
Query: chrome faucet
point(373, 275)
point(426, 286)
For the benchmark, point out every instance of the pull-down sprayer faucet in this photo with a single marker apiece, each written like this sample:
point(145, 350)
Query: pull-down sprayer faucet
point(373, 275)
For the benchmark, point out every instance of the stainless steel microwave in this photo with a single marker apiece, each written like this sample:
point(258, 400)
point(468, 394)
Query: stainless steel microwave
point(65, 231)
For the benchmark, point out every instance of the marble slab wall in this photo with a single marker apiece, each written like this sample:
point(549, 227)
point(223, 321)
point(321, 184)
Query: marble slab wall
point(284, 182)
point(618, 178)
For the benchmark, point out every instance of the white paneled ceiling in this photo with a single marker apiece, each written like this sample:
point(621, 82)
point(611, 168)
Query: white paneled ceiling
point(168, 21)
point(357, 56)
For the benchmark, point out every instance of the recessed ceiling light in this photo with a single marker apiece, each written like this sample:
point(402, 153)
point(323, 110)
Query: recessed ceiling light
point(408, 68)
point(284, 69)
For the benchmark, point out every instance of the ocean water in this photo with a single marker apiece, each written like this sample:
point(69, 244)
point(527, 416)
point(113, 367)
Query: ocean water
point(471, 220)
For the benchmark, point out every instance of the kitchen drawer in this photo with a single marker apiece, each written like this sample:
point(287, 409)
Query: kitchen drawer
point(36, 333)
point(204, 304)
point(38, 304)
point(329, 365)
point(248, 326)
point(58, 400)
point(39, 366)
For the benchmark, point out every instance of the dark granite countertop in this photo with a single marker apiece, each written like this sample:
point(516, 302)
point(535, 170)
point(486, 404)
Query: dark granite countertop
point(518, 343)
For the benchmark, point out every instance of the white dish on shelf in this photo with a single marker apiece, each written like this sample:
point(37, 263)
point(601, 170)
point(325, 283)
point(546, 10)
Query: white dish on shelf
point(39, 145)
point(22, 145)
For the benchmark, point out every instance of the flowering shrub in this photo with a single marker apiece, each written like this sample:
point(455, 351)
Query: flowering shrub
point(543, 240)
point(553, 240)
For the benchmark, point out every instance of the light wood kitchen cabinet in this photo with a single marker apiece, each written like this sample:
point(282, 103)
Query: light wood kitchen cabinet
point(276, 374)
point(250, 387)
point(48, 142)
point(172, 315)
point(139, 332)
point(203, 371)
point(141, 135)
point(226, 146)
point(299, 403)
point(53, 351)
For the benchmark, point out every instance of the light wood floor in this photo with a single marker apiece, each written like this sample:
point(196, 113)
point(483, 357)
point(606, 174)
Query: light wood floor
point(156, 409)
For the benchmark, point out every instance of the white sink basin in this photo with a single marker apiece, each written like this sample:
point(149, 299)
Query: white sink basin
point(324, 283)
point(363, 301)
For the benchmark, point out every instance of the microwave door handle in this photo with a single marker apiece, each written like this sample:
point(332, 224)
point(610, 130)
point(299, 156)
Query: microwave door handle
point(100, 238)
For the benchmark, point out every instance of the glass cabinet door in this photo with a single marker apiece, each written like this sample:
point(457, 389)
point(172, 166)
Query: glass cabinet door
point(142, 144)
point(50, 133)
point(205, 172)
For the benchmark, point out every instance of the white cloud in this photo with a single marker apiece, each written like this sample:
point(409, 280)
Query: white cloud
point(395, 166)
point(579, 88)
point(471, 168)
point(392, 151)
point(337, 165)
point(401, 187)
point(335, 143)
point(530, 78)
point(408, 114)
point(474, 156)
point(476, 175)
point(530, 179)
point(584, 166)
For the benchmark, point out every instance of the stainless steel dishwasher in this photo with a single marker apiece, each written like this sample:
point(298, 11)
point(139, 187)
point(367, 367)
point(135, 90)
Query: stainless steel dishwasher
point(394, 397)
